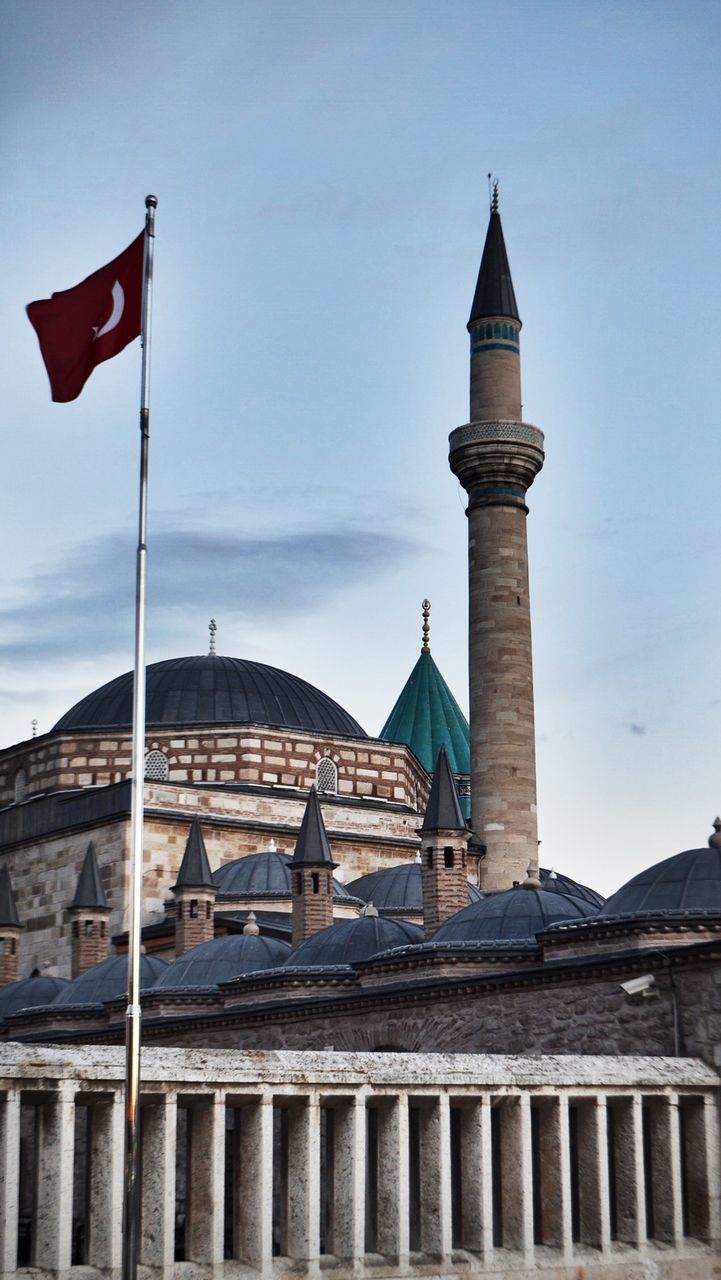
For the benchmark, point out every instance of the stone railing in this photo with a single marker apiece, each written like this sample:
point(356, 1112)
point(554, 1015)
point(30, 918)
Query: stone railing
point(362, 1164)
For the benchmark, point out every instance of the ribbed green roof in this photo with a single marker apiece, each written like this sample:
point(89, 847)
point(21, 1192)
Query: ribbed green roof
point(427, 717)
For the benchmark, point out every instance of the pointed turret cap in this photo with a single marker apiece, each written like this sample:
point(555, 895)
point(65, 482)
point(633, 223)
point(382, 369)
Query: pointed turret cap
point(312, 843)
point(194, 870)
point(89, 891)
point(494, 294)
point(444, 811)
point(8, 911)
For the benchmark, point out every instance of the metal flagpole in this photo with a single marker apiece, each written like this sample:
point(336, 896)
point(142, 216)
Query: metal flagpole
point(131, 1189)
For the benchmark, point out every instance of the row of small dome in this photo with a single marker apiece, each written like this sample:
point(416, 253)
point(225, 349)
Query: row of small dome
point(687, 885)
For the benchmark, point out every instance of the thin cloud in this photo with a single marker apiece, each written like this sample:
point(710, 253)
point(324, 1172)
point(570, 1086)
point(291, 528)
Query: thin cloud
point(83, 603)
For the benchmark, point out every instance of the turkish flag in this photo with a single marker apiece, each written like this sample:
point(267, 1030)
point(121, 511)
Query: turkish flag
point(79, 328)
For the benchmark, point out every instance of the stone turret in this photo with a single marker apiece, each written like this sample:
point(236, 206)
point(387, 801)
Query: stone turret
point(496, 457)
point(311, 875)
point(444, 841)
point(10, 927)
point(194, 893)
point(89, 912)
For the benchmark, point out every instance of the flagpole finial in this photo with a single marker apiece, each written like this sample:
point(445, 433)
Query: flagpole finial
point(151, 202)
point(212, 628)
point(426, 606)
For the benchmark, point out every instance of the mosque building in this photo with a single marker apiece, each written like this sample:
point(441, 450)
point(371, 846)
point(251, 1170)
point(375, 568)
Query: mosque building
point(307, 883)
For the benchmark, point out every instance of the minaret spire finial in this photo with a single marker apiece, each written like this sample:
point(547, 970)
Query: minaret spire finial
point(212, 628)
point(426, 606)
point(494, 196)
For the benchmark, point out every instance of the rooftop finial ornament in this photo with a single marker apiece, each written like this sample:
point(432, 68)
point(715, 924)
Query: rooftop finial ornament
point(715, 839)
point(494, 196)
point(426, 606)
point(212, 628)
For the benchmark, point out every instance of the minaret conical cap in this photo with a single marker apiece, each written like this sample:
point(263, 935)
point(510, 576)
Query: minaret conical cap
point(312, 844)
point(494, 294)
point(444, 811)
point(9, 918)
point(89, 891)
point(194, 870)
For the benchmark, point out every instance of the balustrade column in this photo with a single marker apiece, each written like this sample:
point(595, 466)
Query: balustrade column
point(9, 1179)
point(393, 1179)
point(555, 1174)
point(105, 1240)
point(435, 1176)
point(304, 1179)
point(517, 1173)
point(54, 1201)
point(476, 1177)
point(626, 1116)
point(593, 1199)
point(159, 1123)
point(206, 1181)
point(666, 1169)
point(254, 1195)
point(350, 1172)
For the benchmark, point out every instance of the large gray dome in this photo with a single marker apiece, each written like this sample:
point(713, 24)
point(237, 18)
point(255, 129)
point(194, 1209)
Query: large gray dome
point(213, 690)
point(397, 888)
point(263, 875)
point(555, 882)
point(688, 883)
point(223, 959)
point(348, 941)
point(512, 917)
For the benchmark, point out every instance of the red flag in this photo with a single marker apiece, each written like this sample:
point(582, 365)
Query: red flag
point(79, 328)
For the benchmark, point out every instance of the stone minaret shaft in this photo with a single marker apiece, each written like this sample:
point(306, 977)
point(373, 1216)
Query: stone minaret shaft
point(496, 457)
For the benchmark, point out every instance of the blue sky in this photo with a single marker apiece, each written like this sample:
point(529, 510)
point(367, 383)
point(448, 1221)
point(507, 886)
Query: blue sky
point(321, 172)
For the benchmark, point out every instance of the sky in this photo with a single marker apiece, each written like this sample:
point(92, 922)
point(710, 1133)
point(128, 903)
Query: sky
point(321, 176)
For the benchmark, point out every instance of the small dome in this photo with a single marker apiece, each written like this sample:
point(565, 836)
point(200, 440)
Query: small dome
point(687, 883)
point(107, 981)
point(513, 917)
point(213, 690)
point(398, 888)
point(221, 960)
point(263, 875)
point(348, 941)
point(555, 882)
point(28, 993)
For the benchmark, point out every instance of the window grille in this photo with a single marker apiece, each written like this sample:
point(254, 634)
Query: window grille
point(326, 775)
point(156, 767)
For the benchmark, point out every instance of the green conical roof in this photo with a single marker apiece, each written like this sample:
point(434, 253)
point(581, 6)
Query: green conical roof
point(427, 717)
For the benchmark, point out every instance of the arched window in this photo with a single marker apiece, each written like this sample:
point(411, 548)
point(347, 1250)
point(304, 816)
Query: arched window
point(326, 775)
point(21, 786)
point(156, 767)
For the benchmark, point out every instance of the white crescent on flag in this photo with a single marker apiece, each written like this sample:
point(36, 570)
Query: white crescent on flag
point(117, 311)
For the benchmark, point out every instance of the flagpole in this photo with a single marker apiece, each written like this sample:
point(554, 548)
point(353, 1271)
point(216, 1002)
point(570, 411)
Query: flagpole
point(131, 1189)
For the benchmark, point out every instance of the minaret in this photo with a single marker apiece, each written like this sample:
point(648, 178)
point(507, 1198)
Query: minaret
point(311, 875)
point(10, 927)
point(194, 893)
point(496, 457)
point(89, 912)
point(444, 841)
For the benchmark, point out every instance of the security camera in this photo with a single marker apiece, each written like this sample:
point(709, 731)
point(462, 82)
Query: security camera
point(639, 986)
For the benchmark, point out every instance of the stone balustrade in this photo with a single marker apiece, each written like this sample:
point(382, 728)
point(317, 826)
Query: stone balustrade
point(362, 1164)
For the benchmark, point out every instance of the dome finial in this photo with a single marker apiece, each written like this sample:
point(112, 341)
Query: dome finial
point(250, 928)
point(531, 881)
point(426, 606)
point(715, 839)
point(212, 628)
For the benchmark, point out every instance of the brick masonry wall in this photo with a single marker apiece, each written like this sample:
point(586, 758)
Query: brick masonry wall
point(90, 940)
point(194, 919)
point(313, 906)
point(445, 889)
point(9, 952)
point(256, 755)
